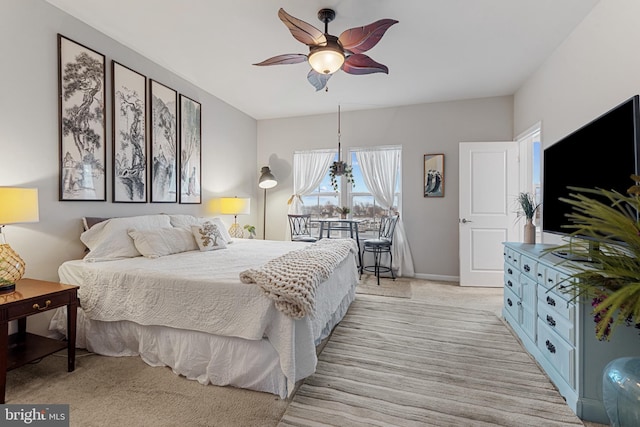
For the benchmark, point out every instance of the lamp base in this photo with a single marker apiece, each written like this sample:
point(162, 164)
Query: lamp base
point(6, 288)
point(11, 265)
point(236, 231)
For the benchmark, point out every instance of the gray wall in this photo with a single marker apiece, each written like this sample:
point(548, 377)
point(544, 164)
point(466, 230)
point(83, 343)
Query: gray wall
point(431, 223)
point(29, 134)
point(594, 70)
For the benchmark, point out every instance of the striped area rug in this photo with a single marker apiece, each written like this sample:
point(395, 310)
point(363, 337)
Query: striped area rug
point(394, 362)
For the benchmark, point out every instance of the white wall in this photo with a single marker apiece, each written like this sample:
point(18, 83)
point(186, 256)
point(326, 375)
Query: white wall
point(29, 134)
point(594, 70)
point(431, 223)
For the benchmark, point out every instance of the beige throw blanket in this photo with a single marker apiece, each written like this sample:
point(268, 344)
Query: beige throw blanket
point(291, 279)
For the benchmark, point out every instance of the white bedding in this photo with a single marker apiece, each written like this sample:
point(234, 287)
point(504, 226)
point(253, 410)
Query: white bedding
point(201, 292)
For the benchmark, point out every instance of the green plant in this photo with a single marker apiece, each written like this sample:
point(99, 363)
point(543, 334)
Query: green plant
point(251, 229)
point(612, 280)
point(343, 210)
point(340, 168)
point(528, 205)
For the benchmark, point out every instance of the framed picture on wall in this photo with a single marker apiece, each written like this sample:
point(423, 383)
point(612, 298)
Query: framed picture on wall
point(82, 132)
point(164, 144)
point(190, 150)
point(434, 175)
point(129, 103)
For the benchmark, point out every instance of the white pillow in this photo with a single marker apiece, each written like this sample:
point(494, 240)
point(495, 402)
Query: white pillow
point(109, 239)
point(163, 241)
point(188, 221)
point(208, 236)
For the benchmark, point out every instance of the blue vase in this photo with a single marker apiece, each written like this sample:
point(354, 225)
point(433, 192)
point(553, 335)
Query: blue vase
point(621, 391)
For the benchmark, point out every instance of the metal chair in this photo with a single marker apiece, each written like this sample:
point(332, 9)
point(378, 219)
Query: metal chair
point(380, 246)
point(299, 226)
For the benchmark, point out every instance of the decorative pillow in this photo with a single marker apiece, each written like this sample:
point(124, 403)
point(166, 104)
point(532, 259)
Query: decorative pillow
point(208, 236)
point(188, 221)
point(109, 239)
point(163, 241)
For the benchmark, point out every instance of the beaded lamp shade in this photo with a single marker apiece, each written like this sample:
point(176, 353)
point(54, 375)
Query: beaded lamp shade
point(16, 205)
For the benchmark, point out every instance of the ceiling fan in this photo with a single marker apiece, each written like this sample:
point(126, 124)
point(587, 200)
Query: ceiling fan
point(327, 53)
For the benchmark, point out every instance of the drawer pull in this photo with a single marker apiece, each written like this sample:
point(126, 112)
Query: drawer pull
point(510, 271)
point(550, 347)
point(46, 306)
point(551, 321)
point(539, 274)
point(519, 303)
point(527, 268)
point(509, 284)
point(509, 302)
point(550, 280)
point(551, 301)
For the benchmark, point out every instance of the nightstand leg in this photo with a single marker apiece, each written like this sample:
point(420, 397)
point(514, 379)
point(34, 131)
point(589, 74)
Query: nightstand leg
point(4, 345)
point(72, 311)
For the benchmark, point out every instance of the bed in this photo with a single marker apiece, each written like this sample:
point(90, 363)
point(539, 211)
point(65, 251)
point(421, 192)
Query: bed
point(246, 314)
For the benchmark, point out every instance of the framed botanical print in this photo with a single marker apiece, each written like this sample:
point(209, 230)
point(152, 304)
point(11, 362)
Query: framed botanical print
point(190, 150)
point(129, 103)
point(164, 144)
point(433, 175)
point(81, 90)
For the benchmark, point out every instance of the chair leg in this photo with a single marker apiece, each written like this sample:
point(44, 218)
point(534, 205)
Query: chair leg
point(393, 276)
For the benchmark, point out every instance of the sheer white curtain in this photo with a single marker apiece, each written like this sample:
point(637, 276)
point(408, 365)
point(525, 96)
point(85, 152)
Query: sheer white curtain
point(309, 169)
point(380, 166)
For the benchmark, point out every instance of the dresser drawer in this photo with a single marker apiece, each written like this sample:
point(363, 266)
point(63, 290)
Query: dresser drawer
point(528, 292)
point(44, 303)
point(559, 324)
point(558, 304)
point(558, 352)
point(512, 257)
point(512, 305)
point(511, 278)
point(528, 266)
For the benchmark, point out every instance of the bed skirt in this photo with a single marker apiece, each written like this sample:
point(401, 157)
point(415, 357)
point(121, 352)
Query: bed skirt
point(206, 358)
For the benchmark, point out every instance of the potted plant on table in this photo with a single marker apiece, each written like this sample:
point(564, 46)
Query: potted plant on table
point(343, 211)
point(528, 207)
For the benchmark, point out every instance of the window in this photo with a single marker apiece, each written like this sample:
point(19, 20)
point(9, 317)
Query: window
point(530, 162)
point(325, 201)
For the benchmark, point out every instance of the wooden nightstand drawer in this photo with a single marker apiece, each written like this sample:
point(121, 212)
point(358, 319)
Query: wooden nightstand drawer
point(36, 305)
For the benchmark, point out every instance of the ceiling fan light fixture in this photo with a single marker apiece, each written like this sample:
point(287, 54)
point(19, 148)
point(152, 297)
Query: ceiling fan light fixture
point(327, 59)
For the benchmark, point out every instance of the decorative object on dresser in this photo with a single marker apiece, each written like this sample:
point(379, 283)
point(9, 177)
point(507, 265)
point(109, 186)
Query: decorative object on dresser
point(557, 329)
point(251, 230)
point(528, 209)
point(233, 206)
point(82, 128)
point(32, 297)
point(610, 282)
point(266, 181)
point(17, 205)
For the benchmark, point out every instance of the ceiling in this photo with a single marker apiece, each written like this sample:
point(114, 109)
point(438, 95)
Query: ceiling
point(440, 50)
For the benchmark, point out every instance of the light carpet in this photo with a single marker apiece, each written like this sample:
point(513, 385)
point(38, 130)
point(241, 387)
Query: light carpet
point(407, 363)
point(399, 288)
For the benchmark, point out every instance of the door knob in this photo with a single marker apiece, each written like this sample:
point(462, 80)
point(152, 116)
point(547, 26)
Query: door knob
point(464, 220)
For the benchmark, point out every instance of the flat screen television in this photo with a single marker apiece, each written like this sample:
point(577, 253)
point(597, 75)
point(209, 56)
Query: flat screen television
point(601, 154)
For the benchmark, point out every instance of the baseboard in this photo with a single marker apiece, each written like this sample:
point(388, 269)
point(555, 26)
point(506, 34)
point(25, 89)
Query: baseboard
point(437, 277)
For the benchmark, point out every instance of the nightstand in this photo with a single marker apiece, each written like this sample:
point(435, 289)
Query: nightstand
point(32, 297)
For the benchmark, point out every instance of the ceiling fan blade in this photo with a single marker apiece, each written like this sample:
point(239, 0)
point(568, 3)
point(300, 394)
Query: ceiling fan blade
point(318, 80)
point(361, 64)
point(361, 39)
point(301, 31)
point(288, 58)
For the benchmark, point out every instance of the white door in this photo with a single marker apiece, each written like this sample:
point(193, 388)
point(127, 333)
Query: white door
point(487, 210)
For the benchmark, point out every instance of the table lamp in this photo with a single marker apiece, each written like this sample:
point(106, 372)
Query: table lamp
point(235, 206)
point(17, 205)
